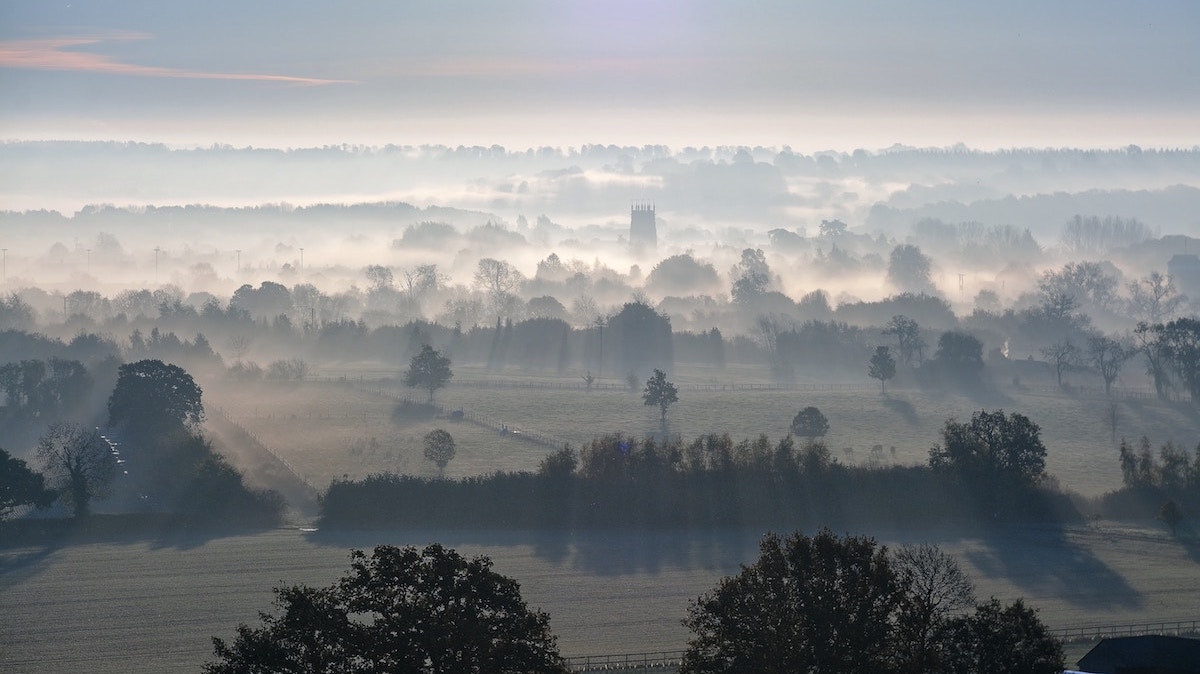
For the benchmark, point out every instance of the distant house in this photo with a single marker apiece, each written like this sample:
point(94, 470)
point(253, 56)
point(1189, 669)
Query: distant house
point(1154, 654)
point(1184, 271)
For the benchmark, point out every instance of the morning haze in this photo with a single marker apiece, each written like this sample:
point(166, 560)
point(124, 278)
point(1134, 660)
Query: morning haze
point(601, 292)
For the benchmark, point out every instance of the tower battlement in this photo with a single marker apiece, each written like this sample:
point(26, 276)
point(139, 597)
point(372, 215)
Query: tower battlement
point(643, 232)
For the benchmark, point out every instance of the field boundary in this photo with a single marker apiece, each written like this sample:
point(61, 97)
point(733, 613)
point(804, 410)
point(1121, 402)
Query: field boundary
point(671, 660)
point(220, 411)
point(484, 420)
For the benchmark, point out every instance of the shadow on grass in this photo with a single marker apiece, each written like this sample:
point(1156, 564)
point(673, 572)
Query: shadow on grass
point(1042, 560)
point(28, 540)
point(599, 552)
point(904, 408)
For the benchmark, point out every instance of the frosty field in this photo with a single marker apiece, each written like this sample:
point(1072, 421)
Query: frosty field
point(151, 603)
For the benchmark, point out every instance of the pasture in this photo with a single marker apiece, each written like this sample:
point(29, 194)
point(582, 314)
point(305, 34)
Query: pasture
point(331, 429)
point(151, 602)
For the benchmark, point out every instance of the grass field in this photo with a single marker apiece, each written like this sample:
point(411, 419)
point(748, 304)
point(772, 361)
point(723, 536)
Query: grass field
point(329, 429)
point(151, 604)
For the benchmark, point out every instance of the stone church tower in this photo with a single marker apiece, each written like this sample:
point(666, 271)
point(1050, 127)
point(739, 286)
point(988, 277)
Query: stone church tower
point(643, 233)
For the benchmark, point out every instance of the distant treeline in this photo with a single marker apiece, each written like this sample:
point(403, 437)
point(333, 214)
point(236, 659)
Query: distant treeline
point(712, 481)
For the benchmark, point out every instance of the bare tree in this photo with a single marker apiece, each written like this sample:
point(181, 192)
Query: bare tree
point(937, 590)
point(500, 280)
point(1154, 298)
point(1061, 355)
point(78, 463)
point(1108, 355)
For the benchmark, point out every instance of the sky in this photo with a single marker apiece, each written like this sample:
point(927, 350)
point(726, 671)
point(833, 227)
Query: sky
point(808, 75)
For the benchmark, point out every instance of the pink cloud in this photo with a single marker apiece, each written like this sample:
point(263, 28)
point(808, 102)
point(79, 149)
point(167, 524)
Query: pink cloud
point(58, 54)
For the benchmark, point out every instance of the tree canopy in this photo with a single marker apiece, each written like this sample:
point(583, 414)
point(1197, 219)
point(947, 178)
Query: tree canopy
point(819, 604)
point(154, 395)
point(429, 370)
point(993, 450)
point(78, 463)
point(439, 448)
point(398, 610)
point(20, 486)
point(661, 393)
point(882, 367)
point(810, 423)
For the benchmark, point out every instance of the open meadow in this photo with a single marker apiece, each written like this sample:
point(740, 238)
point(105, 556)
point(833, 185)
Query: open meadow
point(333, 429)
point(151, 602)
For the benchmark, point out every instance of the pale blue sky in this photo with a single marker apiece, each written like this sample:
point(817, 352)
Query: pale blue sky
point(813, 75)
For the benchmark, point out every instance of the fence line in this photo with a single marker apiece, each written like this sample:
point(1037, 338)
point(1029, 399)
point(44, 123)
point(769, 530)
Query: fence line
point(670, 660)
point(484, 420)
point(1096, 632)
point(220, 411)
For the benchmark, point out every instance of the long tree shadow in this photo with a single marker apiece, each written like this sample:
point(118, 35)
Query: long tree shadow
point(1043, 560)
point(904, 408)
point(599, 552)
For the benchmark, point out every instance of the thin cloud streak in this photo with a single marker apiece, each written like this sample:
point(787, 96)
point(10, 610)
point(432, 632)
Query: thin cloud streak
point(54, 54)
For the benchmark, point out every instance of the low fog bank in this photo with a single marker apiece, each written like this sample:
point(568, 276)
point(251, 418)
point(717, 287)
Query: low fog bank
point(798, 262)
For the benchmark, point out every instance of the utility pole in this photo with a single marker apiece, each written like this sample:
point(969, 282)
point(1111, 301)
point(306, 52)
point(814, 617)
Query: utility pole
point(301, 260)
point(960, 286)
point(239, 260)
point(89, 260)
point(156, 249)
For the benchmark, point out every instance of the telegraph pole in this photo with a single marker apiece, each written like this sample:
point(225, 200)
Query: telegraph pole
point(301, 260)
point(156, 249)
point(239, 260)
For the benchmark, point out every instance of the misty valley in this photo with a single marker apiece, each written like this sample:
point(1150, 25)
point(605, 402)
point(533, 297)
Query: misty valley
point(610, 371)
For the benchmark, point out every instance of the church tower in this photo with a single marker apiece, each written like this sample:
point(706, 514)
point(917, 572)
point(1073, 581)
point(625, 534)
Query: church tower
point(643, 233)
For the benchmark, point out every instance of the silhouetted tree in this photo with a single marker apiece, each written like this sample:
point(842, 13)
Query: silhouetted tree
point(20, 486)
point(1108, 356)
point(1154, 298)
point(78, 463)
point(995, 453)
point(439, 448)
point(1171, 515)
point(424, 611)
point(1002, 640)
point(909, 269)
point(908, 336)
point(808, 604)
point(936, 591)
point(660, 393)
point(810, 423)
point(751, 276)
point(154, 396)
point(882, 367)
point(959, 356)
point(1181, 340)
point(429, 370)
point(1061, 355)
point(1151, 345)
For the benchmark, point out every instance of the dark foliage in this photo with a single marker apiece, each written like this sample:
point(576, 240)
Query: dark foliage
point(399, 610)
point(1002, 640)
point(79, 464)
point(624, 481)
point(820, 604)
point(153, 397)
point(20, 486)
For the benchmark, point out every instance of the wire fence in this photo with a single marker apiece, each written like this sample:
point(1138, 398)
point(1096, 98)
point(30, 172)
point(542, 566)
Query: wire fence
point(487, 421)
point(1186, 627)
point(669, 661)
point(220, 411)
